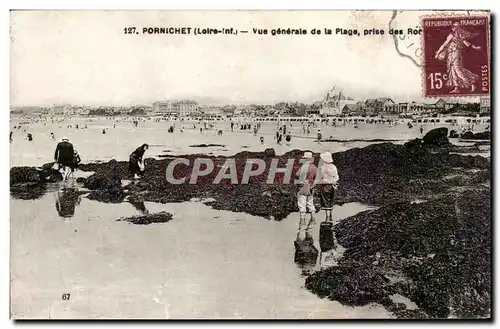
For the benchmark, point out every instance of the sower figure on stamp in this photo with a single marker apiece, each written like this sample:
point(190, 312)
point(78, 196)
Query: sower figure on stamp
point(305, 195)
point(451, 51)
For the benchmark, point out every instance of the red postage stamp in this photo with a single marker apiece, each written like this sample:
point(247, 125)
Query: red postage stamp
point(456, 56)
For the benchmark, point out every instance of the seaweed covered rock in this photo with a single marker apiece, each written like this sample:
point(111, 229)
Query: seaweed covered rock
point(480, 135)
point(28, 191)
point(25, 175)
point(46, 174)
point(385, 173)
point(106, 186)
point(355, 285)
point(441, 247)
point(269, 153)
point(413, 143)
point(207, 145)
point(29, 183)
point(161, 217)
point(50, 175)
point(109, 195)
point(437, 137)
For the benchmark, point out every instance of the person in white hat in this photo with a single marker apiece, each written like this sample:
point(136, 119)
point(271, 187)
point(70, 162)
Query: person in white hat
point(305, 198)
point(327, 183)
point(64, 156)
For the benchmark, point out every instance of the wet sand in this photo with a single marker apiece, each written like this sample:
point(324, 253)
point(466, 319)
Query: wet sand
point(119, 142)
point(204, 263)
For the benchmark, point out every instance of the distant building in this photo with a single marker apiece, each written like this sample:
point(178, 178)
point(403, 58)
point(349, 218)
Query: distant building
point(61, 109)
point(375, 106)
point(334, 102)
point(403, 108)
point(352, 109)
point(161, 107)
point(180, 108)
point(387, 105)
point(415, 108)
point(212, 112)
point(484, 105)
point(314, 109)
point(440, 106)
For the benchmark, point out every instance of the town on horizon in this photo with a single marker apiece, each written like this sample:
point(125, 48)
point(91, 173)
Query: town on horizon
point(334, 103)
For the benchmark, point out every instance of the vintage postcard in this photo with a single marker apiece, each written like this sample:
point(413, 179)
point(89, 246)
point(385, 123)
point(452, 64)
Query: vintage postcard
point(250, 164)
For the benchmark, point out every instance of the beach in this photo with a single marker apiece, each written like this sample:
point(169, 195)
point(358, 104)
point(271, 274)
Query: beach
point(228, 251)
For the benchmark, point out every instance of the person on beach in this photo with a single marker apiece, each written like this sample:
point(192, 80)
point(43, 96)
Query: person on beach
point(52, 136)
point(262, 140)
point(320, 136)
point(10, 137)
point(63, 156)
point(327, 184)
point(29, 137)
point(421, 129)
point(305, 195)
point(280, 137)
point(104, 131)
point(135, 163)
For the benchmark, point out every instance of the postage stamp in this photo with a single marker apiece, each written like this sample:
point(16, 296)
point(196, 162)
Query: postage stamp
point(456, 56)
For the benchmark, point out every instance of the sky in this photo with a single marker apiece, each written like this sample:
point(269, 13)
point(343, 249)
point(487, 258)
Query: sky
point(85, 58)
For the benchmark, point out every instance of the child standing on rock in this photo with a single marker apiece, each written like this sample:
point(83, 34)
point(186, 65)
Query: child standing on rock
point(306, 176)
point(327, 184)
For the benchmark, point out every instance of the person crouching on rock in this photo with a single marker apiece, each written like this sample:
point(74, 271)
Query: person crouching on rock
point(76, 162)
point(135, 163)
point(327, 184)
point(64, 157)
point(306, 177)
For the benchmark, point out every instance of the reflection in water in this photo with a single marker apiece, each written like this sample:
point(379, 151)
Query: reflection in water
point(138, 202)
point(67, 198)
point(329, 251)
point(326, 237)
point(306, 253)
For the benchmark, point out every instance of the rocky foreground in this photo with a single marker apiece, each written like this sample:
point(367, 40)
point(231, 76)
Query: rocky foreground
point(435, 252)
